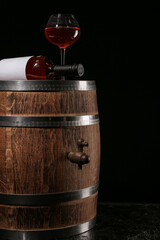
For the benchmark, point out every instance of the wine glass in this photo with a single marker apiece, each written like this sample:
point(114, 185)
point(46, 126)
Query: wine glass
point(62, 30)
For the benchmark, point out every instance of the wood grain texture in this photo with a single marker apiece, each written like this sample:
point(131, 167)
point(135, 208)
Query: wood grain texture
point(34, 160)
point(55, 216)
point(35, 103)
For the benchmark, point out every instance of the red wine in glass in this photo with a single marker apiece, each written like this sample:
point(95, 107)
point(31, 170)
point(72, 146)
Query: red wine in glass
point(62, 36)
point(62, 30)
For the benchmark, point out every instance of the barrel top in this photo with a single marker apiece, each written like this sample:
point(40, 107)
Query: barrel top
point(47, 85)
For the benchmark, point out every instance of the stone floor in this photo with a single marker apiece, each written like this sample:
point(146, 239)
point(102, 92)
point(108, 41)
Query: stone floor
point(125, 221)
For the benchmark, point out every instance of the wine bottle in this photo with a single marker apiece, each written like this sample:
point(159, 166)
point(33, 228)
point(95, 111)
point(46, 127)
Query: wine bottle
point(36, 68)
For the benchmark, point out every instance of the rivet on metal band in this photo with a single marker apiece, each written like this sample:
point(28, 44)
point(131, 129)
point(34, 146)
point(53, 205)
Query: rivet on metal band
point(20, 121)
point(46, 199)
point(48, 234)
point(46, 86)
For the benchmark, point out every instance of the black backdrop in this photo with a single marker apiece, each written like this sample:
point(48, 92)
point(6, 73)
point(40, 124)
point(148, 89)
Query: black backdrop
point(127, 94)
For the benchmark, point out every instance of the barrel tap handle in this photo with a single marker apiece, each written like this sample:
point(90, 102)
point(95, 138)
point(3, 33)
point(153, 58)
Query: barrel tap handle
point(79, 157)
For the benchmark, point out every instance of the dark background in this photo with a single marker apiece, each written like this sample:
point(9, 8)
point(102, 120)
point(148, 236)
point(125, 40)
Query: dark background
point(128, 94)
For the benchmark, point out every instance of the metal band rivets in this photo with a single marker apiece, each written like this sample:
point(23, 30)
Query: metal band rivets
point(19, 121)
point(47, 86)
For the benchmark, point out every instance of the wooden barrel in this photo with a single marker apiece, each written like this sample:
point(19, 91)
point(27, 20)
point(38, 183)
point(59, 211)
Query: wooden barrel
point(49, 158)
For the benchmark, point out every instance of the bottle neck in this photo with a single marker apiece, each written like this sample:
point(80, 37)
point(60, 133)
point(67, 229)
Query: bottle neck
point(76, 70)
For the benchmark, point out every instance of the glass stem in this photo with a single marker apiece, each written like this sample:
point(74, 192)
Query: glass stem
point(62, 51)
point(62, 56)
